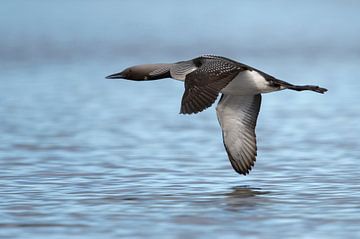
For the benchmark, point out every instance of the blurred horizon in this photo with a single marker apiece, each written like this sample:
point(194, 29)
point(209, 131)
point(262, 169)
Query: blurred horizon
point(56, 31)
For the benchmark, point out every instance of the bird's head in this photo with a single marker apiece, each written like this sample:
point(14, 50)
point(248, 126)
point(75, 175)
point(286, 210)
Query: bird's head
point(140, 73)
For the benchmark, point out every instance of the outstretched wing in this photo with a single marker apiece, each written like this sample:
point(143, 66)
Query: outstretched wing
point(203, 85)
point(237, 116)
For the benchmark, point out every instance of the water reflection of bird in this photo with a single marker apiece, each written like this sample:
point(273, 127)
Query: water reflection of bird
point(243, 197)
point(237, 111)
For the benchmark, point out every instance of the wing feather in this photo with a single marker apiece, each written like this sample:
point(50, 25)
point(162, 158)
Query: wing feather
point(202, 86)
point(237, 116)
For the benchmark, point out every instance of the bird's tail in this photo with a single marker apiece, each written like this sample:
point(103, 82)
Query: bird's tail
point(315, 88)
point(286, 85)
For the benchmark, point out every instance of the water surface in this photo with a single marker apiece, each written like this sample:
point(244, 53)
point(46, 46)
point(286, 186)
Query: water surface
point(84, 157)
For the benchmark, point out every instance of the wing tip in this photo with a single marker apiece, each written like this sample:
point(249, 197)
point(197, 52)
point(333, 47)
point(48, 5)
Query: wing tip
point(185, 110)
point(238, 167)
point(244, 166)
point(244, 172)
point(194, 106)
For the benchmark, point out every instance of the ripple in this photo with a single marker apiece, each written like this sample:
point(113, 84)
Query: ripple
point(82, 157)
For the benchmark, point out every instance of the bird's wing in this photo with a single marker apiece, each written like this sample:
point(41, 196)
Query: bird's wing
point(203, 85)
point(237, 116)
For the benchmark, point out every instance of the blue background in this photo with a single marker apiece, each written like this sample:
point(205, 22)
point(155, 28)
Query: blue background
point(84, 157)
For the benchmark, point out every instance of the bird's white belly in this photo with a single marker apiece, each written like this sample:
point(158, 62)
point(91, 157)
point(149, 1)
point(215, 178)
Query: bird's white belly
point(248, 83)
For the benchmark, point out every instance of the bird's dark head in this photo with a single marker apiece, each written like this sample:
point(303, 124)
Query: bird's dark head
point(131, 73)
point(140, 73)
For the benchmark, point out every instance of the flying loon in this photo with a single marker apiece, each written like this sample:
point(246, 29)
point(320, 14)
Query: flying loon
point(241, 86)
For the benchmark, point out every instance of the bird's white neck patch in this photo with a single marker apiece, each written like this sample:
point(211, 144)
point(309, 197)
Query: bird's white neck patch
point(179, 70)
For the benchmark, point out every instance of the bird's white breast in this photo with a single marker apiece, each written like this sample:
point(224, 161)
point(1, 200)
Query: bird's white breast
point(247, 83)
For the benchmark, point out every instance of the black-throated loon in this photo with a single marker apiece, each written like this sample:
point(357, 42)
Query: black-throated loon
point(237, 111)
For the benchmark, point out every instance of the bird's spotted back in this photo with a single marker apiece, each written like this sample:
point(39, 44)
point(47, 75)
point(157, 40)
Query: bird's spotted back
point(216, 66)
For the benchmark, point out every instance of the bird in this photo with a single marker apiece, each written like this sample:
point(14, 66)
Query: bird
point(240, 85)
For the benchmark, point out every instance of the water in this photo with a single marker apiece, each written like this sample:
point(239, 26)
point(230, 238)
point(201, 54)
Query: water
point(84, 157)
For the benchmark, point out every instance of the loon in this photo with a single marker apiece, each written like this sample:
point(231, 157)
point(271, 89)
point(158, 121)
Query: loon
point(240, 85)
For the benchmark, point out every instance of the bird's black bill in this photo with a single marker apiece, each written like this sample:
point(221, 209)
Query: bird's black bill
point(115, 76)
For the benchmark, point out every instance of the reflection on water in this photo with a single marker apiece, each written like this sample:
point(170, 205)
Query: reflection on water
point(243, 197)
